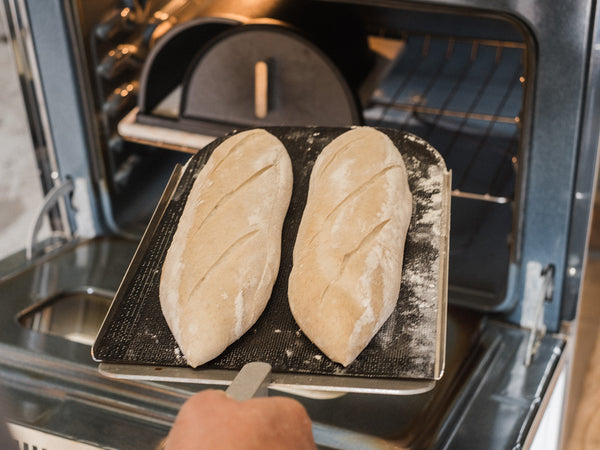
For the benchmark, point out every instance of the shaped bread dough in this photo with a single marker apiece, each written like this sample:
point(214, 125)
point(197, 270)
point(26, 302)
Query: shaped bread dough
point(345, 280)
point(220, 269)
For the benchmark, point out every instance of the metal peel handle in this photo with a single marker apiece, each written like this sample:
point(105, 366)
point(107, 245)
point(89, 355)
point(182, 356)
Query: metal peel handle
point(252, 381)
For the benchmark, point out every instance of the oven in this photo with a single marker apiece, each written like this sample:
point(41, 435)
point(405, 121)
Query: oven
point(119, 92)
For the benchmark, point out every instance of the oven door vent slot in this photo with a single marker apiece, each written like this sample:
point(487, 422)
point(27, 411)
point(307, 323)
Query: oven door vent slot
point(539, 287)
point(34, 439)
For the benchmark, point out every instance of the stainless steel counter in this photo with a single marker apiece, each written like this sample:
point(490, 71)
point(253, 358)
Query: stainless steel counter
point(52, 384)
point(49, 380)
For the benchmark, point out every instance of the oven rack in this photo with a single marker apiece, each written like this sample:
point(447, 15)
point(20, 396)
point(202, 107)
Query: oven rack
point(464, 96)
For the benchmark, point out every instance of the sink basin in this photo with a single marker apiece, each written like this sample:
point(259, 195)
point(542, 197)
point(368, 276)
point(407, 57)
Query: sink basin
point(75, 316)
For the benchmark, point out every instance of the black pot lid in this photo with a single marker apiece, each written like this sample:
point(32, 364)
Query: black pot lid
point(258, 75)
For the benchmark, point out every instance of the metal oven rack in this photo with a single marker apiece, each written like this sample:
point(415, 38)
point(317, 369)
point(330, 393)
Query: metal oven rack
point(464, 96)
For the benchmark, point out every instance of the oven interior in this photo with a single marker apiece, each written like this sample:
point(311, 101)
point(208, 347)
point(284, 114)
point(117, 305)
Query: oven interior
point(458, 81)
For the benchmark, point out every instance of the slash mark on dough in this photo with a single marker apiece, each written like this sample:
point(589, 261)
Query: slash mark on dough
point(238, 242)
point(355, 193)
point(346, 147)
point(227, 196)
point(231, 151)
point(367, 240)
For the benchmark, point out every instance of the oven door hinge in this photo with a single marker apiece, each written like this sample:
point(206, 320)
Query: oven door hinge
point(539, 287)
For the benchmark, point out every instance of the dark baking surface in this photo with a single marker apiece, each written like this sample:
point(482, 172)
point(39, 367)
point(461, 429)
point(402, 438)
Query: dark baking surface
point(135, 331)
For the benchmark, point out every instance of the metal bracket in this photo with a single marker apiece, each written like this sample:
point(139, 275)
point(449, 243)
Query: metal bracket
point(539, 294)
point(59, 191)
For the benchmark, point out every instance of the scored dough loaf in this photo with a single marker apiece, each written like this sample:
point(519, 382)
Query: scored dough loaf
point(347, 261)
point(220, 269)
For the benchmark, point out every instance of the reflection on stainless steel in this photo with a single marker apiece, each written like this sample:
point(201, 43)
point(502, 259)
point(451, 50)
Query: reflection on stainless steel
point(74, 316)
point(132, 53)
point(122, 97)
point(50, 381)
point(117, 21)
point(117, 60)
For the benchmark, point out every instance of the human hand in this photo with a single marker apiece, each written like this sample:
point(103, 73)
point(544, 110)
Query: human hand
point(212, 420)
